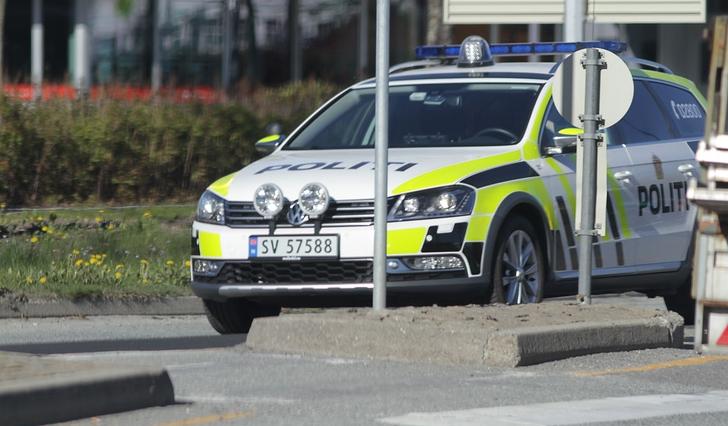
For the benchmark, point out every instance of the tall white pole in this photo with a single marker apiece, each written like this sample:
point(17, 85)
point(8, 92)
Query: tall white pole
point(574, 11)
point(81, 60)
point(156, 49)
point(534, 36)
point(36, 50)
point(381, 160)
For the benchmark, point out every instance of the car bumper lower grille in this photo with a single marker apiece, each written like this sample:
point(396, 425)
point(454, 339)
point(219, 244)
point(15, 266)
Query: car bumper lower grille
point(317, 272)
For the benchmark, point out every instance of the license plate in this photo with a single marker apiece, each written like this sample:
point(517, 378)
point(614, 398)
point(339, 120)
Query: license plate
point(294, 246)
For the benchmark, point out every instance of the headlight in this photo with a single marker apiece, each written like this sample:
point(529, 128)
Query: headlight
point(268, 200)
point(314, 200)
point(441, 202)
point(211, 209)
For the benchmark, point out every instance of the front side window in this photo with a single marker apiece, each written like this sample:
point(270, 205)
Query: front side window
point(427, 115)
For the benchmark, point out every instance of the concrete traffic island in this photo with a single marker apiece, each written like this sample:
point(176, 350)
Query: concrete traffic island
point(40, 390)
point(497, 335)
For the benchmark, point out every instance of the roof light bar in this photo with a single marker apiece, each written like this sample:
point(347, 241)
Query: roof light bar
point(452, 51)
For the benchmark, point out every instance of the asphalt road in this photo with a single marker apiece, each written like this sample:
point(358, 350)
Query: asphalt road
point(218, 381)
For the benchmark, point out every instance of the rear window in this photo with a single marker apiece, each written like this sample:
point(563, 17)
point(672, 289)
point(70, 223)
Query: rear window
point(685, 112)
point(644, 121)
point(426, 115)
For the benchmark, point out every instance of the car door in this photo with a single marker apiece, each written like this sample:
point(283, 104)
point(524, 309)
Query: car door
point(617, 248)
point(687, 116)
point(657, 155)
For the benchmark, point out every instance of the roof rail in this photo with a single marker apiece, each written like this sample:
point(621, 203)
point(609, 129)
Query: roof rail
point(413, 65)
point(647, 63)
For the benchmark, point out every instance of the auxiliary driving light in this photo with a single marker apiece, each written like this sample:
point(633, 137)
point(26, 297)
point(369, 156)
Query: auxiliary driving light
point(314, 200)
point(268, 200)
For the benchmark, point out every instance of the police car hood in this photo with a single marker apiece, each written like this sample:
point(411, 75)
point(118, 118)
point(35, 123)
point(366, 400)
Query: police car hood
point(349, 174)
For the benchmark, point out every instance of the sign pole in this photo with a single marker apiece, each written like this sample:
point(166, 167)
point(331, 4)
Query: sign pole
point(593, 63)
point(381, 145)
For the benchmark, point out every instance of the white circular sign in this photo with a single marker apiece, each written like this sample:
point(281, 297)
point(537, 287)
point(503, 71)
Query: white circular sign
point(615, 94)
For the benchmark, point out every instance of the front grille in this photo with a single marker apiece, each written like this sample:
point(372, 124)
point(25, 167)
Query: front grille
point(317, 272)
point(361, 212)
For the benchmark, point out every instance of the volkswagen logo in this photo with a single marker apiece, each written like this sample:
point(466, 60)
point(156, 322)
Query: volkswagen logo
point(296, 216)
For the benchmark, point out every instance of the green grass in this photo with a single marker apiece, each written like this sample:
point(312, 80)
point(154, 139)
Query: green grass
point(107, 252)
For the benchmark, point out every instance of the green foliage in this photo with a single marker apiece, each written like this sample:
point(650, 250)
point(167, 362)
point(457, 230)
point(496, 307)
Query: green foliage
point(62, 152)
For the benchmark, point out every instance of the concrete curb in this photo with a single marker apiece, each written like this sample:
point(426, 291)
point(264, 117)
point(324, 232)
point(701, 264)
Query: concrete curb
point(456, 341)
point(38, 308)
point(35, 397)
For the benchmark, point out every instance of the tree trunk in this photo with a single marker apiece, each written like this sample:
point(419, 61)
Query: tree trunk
point(437, 32)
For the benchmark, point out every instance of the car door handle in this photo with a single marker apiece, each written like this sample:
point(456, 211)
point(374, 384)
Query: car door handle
point(686, 169)
point(623, 176)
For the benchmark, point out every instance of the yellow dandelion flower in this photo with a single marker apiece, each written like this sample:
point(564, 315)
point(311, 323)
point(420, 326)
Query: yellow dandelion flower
point(98, 219)
point(79, 263)
point(93, 260)
point(29, 280)
point(169, 263)
point(117, 275)
point(3, 205)
point(44, 229)
point(147, 214)
point(76, 252)
point(42, 280)
point(187, 263)
point(39, 218)
point(34, 240)
point(110, 227)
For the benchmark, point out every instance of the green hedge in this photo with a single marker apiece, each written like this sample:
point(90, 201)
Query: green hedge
point(61, 152)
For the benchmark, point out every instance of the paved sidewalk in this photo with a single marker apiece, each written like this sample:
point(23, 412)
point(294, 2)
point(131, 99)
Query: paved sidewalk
point(37, 390)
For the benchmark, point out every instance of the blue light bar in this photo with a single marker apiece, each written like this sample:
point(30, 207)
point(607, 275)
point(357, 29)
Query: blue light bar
point(451, 51)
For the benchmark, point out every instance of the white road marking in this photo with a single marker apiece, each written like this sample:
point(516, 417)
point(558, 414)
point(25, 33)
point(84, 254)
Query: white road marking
point(573, 412)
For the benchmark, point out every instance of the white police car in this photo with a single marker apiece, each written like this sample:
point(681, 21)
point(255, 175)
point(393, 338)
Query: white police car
point(481, 194)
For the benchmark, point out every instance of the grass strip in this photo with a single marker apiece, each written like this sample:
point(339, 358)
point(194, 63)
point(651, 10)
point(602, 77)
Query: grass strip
point(104, 253)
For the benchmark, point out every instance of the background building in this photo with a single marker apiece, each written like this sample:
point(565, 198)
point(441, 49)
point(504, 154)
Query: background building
point(223, 43)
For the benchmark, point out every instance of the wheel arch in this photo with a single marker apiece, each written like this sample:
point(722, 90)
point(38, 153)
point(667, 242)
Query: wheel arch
point(522, 204)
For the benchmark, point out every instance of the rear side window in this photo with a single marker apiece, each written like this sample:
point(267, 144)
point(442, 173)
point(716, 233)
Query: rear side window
point(644, 122)
point(684, 110)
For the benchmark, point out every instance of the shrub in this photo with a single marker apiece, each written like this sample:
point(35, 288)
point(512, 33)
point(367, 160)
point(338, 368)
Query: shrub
point(105, 150)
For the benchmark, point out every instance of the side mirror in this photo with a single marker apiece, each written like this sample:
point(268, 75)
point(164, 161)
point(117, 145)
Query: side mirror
point(562, 145)
point(269, 144)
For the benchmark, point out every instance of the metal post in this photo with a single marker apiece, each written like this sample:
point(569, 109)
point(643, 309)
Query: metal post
point(534, 36)
point(574, 11)
point(156, 49)
point(591, 119)
point(363, 38)
point(36, 50)
point(81, 50)
point(381, 160)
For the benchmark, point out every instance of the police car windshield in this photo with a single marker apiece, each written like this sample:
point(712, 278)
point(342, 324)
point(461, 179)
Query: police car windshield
point(426, 115)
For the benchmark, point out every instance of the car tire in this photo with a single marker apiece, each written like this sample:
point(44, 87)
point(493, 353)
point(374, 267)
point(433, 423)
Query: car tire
point(682, 302)
point(235, 316)
point(521, 281)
